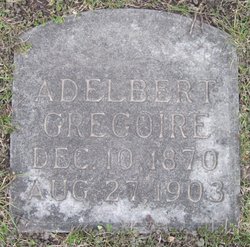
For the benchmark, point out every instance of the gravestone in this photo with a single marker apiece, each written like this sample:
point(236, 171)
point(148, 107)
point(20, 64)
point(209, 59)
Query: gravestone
point(125, 117)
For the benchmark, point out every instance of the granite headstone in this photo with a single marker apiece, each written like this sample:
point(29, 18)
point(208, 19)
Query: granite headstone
point(125, 117)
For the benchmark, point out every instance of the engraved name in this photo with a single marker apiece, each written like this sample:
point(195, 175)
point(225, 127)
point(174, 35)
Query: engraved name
point(136, 91)
point(125, 124)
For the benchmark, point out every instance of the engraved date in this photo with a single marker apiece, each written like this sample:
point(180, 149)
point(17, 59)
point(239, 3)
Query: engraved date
point(192, 191)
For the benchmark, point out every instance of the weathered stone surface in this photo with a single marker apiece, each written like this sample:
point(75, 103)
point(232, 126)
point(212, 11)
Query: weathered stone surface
point(124, 117)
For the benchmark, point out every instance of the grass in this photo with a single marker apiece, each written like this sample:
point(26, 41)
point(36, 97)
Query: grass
point(16, 16)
